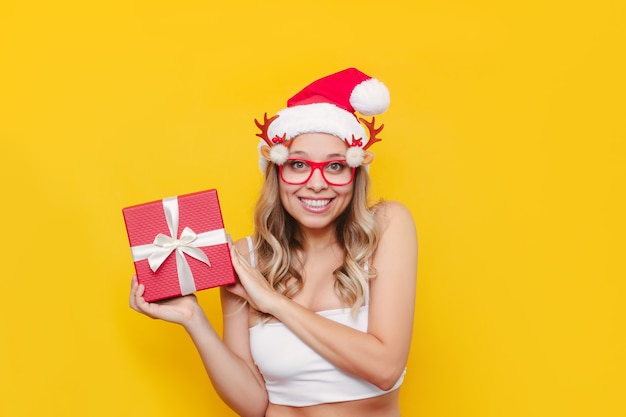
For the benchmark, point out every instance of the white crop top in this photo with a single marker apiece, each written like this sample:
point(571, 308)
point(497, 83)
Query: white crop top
point(296, 375)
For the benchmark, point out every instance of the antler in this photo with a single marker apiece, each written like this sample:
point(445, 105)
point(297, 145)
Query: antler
point(264, 127)
point(355, 142)
point(373, 131)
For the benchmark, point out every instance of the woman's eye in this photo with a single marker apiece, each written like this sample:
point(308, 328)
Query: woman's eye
point(335, 166)
point(298, 164)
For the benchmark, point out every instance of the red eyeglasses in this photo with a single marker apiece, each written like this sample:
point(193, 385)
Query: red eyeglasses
point(298, 171)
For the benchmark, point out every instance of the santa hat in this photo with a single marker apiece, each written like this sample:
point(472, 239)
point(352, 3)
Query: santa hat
point(328, 105)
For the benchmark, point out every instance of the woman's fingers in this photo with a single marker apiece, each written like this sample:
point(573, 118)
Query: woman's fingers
point(236, 259)
point(141, 303)
point(240, 264)
point(133, 290)
point(136, 300)
point(238, 290)
point(234, 254)
point(176, 310)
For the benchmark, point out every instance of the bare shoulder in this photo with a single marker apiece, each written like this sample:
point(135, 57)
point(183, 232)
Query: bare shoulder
point(243, 247)
point(393, 215)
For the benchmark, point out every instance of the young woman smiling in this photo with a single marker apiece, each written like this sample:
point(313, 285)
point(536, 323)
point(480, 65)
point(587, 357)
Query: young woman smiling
point(319, 323)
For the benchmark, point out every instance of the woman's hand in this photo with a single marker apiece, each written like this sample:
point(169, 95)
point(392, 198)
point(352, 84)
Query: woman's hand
point(180, 310)
point(252, 286)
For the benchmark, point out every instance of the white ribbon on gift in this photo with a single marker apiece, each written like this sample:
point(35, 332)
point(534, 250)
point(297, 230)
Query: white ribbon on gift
point(158, 251)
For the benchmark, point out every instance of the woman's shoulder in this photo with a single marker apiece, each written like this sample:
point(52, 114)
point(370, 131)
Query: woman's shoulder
point(390, 212)
point(395, 223)
point(397, 233)
point(242, 244)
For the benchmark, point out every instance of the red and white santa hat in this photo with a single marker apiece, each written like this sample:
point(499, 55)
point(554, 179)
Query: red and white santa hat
point(327, 105)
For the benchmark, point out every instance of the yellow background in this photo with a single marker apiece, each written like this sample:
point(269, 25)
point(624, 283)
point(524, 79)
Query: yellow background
point(505, 138)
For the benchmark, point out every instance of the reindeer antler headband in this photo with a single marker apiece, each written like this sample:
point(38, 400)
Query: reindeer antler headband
point(328, 105)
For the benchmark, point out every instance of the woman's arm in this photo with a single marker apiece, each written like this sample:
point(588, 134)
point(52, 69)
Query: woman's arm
point(380, 355)
point(228, 363)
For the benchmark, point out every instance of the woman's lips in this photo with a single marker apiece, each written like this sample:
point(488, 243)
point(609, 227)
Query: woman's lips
point(317, 204)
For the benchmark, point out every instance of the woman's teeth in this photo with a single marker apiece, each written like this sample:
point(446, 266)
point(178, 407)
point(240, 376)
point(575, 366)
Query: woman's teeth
point(315, 203)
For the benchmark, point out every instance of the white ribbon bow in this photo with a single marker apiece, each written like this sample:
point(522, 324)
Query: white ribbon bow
point(158, 251)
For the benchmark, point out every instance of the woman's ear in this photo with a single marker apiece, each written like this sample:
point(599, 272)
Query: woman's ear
point(368, 157)
point(265, 151)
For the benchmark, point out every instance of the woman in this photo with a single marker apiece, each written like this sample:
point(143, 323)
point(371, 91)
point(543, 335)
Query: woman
point(320, 322)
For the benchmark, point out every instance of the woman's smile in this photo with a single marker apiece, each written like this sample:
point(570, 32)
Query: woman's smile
point(317, 204)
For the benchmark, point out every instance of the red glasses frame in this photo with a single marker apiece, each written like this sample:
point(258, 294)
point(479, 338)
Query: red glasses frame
point(316, 165)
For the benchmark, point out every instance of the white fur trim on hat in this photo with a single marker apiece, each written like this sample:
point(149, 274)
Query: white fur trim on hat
point(316, 118)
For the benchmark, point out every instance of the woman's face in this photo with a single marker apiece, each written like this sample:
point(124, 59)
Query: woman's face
point(316, 204)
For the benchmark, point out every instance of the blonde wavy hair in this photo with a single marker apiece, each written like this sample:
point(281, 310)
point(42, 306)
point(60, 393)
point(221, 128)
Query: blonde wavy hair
point(278, 243)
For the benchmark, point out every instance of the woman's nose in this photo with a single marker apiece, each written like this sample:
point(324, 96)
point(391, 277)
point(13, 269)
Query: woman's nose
point(317, 181)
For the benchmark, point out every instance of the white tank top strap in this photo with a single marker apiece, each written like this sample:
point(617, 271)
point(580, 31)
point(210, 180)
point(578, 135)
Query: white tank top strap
point(367, 287)
point(251, 251)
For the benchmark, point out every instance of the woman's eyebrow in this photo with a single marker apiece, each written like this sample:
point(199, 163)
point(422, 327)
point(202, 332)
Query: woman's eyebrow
point(328, 156)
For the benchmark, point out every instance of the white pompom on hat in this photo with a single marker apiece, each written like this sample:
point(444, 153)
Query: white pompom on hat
point(327, 105)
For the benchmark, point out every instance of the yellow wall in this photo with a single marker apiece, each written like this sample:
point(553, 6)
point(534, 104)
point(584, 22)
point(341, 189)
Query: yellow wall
point(505, 138)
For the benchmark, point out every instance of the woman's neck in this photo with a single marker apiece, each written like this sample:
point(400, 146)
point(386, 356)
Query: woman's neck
point(319, 239)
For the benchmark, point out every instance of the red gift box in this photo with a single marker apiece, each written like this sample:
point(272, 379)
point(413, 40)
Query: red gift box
point(179, 245)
